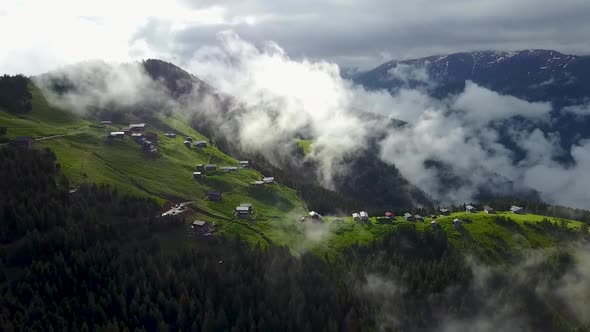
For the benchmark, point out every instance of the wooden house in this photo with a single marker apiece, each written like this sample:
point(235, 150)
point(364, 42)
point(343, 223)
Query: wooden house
point(364, 215)
point(489, 210)
point(200, 144)
point(409, 217)
point(214, 195)
point(517, 209)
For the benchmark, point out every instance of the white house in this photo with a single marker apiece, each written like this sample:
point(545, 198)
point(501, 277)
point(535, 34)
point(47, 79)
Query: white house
point(517, 209)
point(364, 215)
point(470, 209)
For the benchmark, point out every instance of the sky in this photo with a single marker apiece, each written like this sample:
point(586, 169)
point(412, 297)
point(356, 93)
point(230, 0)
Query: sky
point(357, 34)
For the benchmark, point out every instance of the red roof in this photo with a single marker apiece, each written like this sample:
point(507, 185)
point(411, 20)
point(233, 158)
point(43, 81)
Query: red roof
point(388, 214)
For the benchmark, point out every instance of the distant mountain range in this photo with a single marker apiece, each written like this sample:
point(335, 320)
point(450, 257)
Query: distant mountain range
point(534, 75)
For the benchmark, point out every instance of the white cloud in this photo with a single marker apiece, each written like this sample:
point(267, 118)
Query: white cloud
point(581, 110)
point(483, 106)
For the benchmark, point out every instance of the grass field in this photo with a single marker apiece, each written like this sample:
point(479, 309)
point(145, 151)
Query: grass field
point(85, 156)
point(482, 236)
point(305, 145)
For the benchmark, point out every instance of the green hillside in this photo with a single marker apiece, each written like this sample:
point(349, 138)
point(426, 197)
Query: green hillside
point(85, 155)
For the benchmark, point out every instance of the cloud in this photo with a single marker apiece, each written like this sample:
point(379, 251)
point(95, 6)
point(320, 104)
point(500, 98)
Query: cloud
point(580, 110)
point(353, 34)
point(520, 296)
point(563, 184)
point(452, 148)
point(481, 106)
point(409, 73)
point(102, 85)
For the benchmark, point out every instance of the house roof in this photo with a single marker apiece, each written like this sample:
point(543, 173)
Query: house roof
point(443, 210)
point(388, 214)
point(115, 133)
point(364, 214)
point(515, 208)
point(355, 215)
point(456, 221)
point(313, 213)
point(137, 125)
point(243, 162)
point(268, 178)
point(243, 208)
point(417, 216)
point(257, 182)
point(199, 223)
point(211, 165)
point(407, 215)
point(469, 207)
point(197, 173)
point(487, 207)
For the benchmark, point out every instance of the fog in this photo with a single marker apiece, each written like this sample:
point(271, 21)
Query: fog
point(280, 99)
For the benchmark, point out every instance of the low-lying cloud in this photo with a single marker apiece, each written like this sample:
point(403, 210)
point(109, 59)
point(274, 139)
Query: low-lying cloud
point(452, 148)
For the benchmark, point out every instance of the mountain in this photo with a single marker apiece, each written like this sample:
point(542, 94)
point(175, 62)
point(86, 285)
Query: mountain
point(534, 75)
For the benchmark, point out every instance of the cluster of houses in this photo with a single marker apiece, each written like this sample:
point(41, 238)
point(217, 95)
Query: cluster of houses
point(363, 216)
point(201, 169)
point(188, 142)
point(146, 140)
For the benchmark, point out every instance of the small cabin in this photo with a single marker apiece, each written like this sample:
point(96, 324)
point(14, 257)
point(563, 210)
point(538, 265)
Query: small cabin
point(389, 215)
point(457, 224)
point(187, 144)
point(197, 175)
point(517, 209)
point(137, 126)
point(200, 144)
point(444, 212)
point(200, 167)
point(117, 134)
point(244, 163)
point(106, 122)
point(315, 215)
point(244, 210)
point(268, 180)
point(200, 226)
point(489, 210)
point(364, 215)
point(418, 217)
point(188, 138)
point(470, 209)
point(228, 169)
point(356, 217)
point(210, 167)
point(170, 135)
point(257, 183)
point(434, 224)
point(23, 141)
point(409, 217)
point(136, 136)
point(214, 195)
